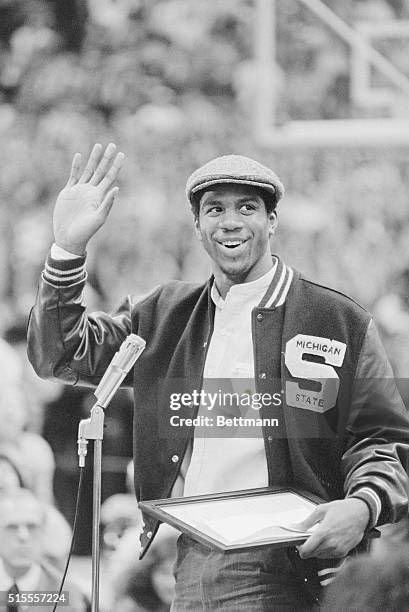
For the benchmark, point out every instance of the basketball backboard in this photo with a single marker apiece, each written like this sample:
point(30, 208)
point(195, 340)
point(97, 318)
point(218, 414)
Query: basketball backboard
point(378, 114)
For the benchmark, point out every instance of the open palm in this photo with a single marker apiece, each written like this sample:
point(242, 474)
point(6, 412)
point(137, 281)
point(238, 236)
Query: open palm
point(83, 205)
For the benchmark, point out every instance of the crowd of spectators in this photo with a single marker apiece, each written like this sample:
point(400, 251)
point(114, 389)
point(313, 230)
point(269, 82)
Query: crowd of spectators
point(174, 83)
point(38, 480)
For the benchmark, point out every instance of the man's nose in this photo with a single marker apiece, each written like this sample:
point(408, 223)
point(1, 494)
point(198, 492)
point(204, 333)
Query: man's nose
point(23, 533)
point(231, 220)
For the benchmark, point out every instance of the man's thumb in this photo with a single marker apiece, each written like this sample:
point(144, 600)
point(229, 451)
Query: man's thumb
point(311, 520)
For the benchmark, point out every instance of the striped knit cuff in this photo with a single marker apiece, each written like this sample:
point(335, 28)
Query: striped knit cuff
point(64, 272)
point(328, 574)
point(372, 500)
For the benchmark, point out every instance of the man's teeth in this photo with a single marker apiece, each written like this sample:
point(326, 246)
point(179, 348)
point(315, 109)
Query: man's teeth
point(232, 243)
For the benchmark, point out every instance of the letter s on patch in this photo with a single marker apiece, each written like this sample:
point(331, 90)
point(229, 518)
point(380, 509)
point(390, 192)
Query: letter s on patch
point(333, 352)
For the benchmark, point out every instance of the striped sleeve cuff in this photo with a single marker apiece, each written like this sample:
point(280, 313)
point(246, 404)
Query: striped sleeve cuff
point(372, 500)
point(64, 272)
point(328, 574)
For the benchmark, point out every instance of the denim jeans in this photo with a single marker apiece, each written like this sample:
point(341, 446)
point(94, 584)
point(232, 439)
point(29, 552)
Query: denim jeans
point(256, 580)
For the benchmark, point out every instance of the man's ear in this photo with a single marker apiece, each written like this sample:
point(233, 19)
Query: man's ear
point(273, 222)
point(197, 230)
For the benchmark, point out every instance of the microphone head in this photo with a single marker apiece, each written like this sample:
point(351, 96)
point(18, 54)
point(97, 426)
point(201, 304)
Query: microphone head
point(130, 350)
point(122, 362)
point(134, 342)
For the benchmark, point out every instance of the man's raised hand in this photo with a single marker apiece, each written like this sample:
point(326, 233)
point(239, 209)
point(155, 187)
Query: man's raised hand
point(83, 205)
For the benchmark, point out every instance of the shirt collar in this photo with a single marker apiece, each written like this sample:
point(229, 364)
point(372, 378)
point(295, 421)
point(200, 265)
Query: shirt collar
point(255, 287)
point(28, 582)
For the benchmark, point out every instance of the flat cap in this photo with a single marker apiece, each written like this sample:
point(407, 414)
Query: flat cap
point(234, 169)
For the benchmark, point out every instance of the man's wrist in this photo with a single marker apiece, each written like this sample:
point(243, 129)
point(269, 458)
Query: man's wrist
point(369, 497)
point(364, 510)
point(59, 252)
point(78, 250)
point(64, 269)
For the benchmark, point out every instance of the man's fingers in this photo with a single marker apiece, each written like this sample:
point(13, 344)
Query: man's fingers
point(113, 172)
point(327, 553)
point(311, 520)
point(91, 163)
point(310, 545)
point(315, 538)
point(75, 170)
point(108, 201)
point(101, 169)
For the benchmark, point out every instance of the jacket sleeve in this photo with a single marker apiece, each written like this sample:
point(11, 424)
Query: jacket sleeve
point(375, 461)
point(64, 341)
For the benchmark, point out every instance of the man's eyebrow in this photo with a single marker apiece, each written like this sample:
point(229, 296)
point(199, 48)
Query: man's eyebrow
point(211, 202)
point(250, 198)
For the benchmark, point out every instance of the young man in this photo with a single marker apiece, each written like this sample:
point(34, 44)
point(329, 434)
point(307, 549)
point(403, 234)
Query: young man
point(257, 319)
point(23, 573)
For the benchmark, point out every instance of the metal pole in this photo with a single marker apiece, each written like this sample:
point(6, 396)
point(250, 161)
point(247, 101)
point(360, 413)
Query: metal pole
point(351, 36)
point(264, 51)
point(96, 518)
point(93, 429)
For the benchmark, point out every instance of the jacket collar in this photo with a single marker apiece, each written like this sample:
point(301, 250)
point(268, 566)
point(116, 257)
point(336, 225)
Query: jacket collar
point(248, 288)
point(277, 292)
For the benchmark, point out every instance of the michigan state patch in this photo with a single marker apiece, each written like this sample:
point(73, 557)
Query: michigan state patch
point(313, 359)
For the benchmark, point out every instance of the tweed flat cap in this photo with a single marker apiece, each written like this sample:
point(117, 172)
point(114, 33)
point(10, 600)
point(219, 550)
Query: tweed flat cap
point(234, 169)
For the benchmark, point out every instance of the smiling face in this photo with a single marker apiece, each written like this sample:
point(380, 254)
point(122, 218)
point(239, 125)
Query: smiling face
point(234, 227)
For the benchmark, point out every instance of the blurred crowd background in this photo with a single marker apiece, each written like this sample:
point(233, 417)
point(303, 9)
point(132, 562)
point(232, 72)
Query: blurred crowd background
point(174, 83)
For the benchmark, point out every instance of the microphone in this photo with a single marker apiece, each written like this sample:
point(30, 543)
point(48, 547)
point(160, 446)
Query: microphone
point(130, 350)
point(93, 427)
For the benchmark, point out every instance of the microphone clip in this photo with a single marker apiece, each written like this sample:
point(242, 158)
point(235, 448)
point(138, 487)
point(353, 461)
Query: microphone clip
point(90, 429)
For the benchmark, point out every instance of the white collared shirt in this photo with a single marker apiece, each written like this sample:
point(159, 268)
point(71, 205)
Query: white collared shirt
point(27, 582)
point(229, 463)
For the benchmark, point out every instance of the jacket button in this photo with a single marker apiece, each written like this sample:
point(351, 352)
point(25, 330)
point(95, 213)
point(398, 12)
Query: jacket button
point(149, 535)
point(270, 438)
point(262, 375)
point(175, 458)
point(260, 317)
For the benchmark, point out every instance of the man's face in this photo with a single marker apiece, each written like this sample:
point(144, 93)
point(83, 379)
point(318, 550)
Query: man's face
point(21, 532)
point(234, 227)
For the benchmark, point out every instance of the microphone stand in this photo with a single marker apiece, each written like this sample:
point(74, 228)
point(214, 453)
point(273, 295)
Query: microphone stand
point(93, 429)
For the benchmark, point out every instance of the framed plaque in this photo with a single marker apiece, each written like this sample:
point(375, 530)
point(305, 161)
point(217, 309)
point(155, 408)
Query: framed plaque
point(239, 520)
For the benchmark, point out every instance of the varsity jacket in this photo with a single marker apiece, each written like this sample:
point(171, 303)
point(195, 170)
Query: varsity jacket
point(344, 430)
